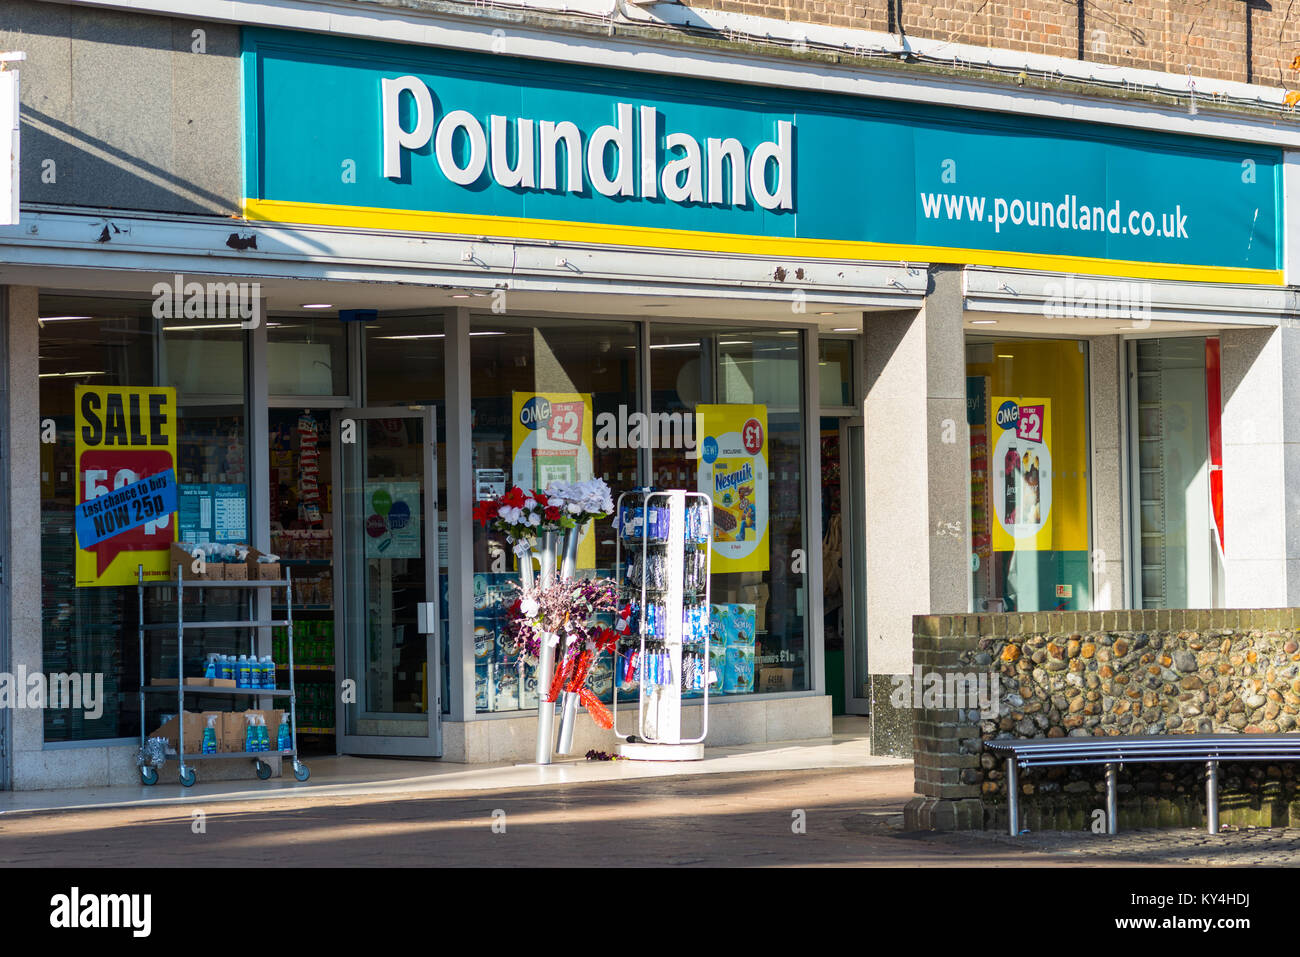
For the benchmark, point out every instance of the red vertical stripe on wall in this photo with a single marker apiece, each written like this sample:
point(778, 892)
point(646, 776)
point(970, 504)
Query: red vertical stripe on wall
point(1214, 415)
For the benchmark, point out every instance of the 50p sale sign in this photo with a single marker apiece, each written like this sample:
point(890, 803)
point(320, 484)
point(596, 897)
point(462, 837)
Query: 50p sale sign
point(124, 435)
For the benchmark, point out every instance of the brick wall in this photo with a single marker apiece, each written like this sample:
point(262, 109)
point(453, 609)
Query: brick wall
point(1211, 38)
point(1095, 674)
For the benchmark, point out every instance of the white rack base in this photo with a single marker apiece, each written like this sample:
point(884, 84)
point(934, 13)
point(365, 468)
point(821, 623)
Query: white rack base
point(644, 751)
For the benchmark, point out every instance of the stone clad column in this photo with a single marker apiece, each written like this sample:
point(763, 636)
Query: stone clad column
point(917, 488)
point(23, 548)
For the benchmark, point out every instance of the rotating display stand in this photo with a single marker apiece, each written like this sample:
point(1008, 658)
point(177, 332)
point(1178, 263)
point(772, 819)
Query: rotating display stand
point(665, 539)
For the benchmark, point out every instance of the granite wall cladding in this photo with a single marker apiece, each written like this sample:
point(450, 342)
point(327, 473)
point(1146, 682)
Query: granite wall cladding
point(1102, 673)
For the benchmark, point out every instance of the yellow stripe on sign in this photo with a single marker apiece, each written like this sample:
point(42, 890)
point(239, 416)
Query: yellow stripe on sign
point(649, 237)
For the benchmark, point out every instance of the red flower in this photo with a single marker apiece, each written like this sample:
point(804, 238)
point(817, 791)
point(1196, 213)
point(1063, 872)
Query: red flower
point(541, 499)
point(552, 513)
point(514, 498)
point(485, 512)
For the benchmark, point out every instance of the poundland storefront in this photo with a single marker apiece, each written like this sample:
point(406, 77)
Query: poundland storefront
point(456, 270)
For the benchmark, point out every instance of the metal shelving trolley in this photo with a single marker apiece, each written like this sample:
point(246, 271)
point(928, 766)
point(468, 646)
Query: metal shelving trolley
point(187, 774)
point(668, 541)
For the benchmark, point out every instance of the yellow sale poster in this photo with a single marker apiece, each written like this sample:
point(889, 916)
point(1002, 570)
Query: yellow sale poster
point(552, 443)
point(1021, 467)
point(733, 472)
point(124, 435)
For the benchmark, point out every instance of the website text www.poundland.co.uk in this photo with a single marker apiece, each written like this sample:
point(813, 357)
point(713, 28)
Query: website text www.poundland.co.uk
point(1049, 214)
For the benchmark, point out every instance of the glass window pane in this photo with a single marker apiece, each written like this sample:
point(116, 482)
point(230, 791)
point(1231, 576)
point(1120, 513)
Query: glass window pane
point(405, 365)
point(582, 377)
point(732, 371)
point(93, 630)
point(835, 372)
point(1027, 409)
point(306, 355)
point(1170, 419)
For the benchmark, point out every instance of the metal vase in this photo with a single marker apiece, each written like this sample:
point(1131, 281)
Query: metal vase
point(550, 547)
point(569, 709)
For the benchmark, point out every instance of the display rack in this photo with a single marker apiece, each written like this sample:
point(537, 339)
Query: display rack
point(187, 774)
point(668, 536)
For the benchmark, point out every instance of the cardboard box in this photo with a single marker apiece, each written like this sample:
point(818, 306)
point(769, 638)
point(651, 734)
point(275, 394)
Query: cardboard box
point(774, 679)
point(230, 736)
point(221, 682)
point(232, 571)
point(194, 722)
point(266, 571)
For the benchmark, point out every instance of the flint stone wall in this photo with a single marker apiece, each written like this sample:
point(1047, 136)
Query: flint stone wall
point(1106, 673)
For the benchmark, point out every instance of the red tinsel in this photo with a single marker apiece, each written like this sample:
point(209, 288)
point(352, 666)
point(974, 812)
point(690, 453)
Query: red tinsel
point(557, 680)
point(582, 666)
point(596, 708)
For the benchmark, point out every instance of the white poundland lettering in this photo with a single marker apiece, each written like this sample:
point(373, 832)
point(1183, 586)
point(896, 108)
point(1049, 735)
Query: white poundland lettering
point(719, 169)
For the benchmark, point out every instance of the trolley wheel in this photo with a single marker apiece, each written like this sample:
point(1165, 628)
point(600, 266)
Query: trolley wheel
point(301, 772)
point(148, 776)
point(188, 777)
point(263, 769)
point(631, 739)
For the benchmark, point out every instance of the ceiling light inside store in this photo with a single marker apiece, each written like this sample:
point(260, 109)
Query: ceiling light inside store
point(1001, 356)
point(825, 313)
point(983, 322)
point(64, 318)
point(61, 375)
point(317, 305)
point(203, 327)
point(847, 329)
point(460, 295)
point(425, 335)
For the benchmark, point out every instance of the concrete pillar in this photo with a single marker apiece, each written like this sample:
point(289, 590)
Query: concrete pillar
point(917, 488)
point(23, 548)
point(1109, 448)
point(1261, 466)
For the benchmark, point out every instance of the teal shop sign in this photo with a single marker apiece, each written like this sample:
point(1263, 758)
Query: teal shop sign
point(371, 135)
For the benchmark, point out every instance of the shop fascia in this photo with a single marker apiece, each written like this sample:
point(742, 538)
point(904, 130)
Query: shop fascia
point(695, 174)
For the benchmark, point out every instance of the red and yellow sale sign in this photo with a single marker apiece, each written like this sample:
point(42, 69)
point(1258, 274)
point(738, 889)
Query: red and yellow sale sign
point(124, 434)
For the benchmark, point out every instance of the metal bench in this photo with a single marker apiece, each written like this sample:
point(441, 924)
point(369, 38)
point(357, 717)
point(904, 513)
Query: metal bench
point(1139, 749)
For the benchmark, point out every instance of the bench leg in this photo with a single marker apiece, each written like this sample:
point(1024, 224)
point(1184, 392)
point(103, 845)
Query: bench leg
point(1013, 797)
point(1112, 799)
point(1212, 796)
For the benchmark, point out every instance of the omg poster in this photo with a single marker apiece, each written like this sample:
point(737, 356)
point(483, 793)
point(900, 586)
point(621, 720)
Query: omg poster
point(552, 442)
point(733, 472)
point(1021, 467)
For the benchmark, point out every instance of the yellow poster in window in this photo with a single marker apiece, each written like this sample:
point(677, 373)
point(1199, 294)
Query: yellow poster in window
point(552, 443)
point(123, 436)
point(1022, 472)
point(733, 472)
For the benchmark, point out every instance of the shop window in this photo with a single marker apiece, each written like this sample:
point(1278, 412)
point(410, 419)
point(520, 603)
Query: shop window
point(306, 354)
point(1172, 423)
point(742, 390)
point(92, 629)
point(1027, 409)
point(835, 372)
point(585, 373)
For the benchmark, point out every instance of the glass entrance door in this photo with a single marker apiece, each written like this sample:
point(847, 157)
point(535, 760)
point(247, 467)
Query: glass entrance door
point(386, 506)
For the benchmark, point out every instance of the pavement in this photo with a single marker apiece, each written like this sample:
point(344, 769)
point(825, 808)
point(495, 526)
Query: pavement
point(819, 803)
